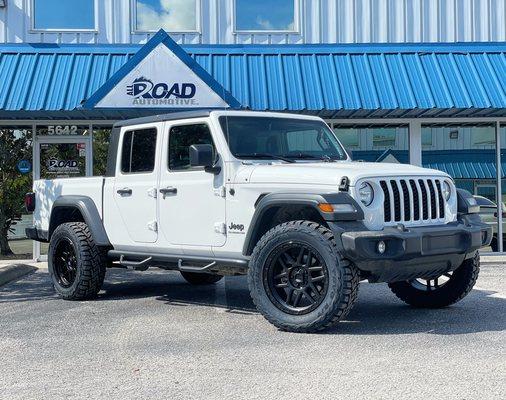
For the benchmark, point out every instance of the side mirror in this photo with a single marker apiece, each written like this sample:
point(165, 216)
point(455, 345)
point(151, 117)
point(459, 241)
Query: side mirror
point(201, 155)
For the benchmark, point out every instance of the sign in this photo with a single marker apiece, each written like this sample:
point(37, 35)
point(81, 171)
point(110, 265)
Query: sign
point(24, 166)
point(56, 166)
point(162, 80)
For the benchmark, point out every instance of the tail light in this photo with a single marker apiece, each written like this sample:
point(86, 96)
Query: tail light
point(30, 202)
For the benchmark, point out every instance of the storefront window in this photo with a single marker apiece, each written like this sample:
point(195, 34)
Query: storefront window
point(376, 143)
point(348, 137)
point(265, 15)
point(468, 155)
point(16, 180)
point(171, 15)
point(63, 15)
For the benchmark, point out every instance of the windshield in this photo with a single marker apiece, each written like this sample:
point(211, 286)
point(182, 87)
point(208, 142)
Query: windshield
point(280, 138)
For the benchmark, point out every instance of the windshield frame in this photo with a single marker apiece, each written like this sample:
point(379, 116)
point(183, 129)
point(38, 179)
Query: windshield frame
point(305, 156)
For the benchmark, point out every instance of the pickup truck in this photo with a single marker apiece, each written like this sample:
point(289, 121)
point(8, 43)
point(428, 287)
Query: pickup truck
point(271, 195)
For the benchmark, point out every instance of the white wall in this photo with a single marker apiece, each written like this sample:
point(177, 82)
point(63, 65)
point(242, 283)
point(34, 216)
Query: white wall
point(322, 21)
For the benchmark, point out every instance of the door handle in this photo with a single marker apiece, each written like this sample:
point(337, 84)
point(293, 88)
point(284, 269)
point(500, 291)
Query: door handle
point(124, 191)
point(168, 190)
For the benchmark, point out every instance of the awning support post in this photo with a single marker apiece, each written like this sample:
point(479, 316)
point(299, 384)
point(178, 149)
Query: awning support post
point(415, 143)
point(499, 186)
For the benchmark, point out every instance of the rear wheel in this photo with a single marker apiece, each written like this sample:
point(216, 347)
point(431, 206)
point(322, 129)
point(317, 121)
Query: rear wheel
point(200, 278)
point(76, 264)
point(298, 280)
point(442, 291)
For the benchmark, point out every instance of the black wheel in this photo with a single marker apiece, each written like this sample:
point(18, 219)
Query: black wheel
point(442, 291)
point(200, 278)
point(76, 265)
point(298, 280)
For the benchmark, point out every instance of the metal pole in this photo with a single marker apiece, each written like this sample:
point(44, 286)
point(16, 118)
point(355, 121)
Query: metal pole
point(499, 185)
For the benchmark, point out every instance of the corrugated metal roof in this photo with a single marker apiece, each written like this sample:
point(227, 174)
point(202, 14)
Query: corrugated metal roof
point(328, 80)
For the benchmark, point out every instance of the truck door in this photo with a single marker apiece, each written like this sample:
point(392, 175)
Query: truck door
point(191, 201)
point(135, 183)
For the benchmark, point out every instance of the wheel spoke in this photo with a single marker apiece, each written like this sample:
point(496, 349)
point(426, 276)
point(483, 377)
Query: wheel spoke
point(309, 258)
point(281, 285)
point(308, 296)
point(301, 255)
point(318, 278)
point(289, 296)
point(281, 275)
point(298, 296)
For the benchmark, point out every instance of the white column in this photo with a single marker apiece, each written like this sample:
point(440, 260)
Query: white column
point(499, 185)
point(415, 143)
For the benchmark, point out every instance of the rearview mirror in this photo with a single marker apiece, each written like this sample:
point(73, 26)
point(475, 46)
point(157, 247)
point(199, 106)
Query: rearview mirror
point(201, 155)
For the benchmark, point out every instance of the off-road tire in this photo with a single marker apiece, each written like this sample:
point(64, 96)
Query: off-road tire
point(91, 262)
point(457, 287)
point(343, 278)
point(200, 278)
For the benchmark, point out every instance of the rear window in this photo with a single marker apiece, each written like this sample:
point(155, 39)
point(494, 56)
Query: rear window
point(138, 151)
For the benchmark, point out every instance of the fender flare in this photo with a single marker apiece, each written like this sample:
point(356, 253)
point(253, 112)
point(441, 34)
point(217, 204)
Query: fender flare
point(270, 200)
point(86, 206)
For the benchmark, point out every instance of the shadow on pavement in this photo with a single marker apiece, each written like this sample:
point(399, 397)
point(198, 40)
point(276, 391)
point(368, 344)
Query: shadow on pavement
point(377, 312)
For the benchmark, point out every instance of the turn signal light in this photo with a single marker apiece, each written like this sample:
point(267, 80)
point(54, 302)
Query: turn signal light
point(326, 207)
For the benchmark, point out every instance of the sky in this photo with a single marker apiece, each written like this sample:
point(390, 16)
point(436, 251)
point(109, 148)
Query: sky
point(265, 14)
point(58, 14)
point(171, 15)
point(180, 15)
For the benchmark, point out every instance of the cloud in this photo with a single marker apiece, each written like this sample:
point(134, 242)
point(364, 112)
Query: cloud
point(267, 25)
point(171, 15)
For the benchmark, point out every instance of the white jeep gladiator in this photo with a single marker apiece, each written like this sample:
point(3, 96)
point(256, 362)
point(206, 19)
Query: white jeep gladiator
point(274, 196)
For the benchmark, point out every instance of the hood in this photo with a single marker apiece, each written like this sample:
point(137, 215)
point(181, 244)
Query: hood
point(328, 173)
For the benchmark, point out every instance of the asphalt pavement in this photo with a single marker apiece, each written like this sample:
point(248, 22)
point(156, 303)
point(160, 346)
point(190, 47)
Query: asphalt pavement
point(150, 335)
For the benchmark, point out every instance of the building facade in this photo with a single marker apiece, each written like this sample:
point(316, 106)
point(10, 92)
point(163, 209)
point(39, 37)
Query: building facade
point(419, 81)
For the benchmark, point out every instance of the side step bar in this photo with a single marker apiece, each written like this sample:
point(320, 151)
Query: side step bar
point(142, 261)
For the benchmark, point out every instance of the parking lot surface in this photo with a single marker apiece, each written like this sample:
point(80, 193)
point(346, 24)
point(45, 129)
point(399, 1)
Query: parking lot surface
point(150, 335)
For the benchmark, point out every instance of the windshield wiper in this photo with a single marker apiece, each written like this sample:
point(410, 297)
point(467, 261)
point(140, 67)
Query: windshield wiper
point(264, 156)
point(307, 156)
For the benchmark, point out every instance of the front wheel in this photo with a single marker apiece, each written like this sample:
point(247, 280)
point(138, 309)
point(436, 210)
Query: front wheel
point(442, 291)
point(298, 280)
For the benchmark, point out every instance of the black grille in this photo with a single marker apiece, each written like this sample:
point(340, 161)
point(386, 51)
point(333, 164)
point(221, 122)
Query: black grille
point(413, 200)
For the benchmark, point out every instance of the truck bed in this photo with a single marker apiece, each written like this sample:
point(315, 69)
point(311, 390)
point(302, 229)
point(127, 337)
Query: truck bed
point(48, 190)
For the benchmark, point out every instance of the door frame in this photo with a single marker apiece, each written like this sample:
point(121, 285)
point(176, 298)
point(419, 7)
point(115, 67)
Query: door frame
point(37, 141)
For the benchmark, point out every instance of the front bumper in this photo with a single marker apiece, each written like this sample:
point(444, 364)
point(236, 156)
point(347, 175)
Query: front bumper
point(425, 251)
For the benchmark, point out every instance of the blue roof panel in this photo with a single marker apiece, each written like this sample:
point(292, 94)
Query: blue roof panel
point(332, 80)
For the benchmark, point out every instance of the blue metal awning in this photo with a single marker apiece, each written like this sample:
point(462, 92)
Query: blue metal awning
point(459, 164)
point(411, 80)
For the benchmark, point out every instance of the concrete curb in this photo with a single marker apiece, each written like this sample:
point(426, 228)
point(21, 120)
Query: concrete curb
point(12, 272)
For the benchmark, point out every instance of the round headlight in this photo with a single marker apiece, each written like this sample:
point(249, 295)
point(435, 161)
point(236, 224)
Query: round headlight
point(366, 193)
point(447, 190)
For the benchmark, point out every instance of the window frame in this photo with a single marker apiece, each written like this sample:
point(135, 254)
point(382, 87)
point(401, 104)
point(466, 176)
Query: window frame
point(191, 169)
point(135, 31)
point(120, 152)
point(33, 29)
point(296, 22)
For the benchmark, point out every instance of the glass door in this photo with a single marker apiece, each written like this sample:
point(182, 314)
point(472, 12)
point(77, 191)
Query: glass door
point(60, 157)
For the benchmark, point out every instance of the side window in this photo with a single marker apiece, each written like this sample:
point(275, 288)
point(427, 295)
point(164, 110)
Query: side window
point(138, 151)
point(180, 140)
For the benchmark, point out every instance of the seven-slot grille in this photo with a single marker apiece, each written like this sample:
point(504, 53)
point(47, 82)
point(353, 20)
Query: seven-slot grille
point(412, 199)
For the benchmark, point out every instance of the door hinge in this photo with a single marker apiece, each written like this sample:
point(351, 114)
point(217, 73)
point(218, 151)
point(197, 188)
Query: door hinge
point(221, 191)
point(152, 192)
point(220, 227)
point(153, 226)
